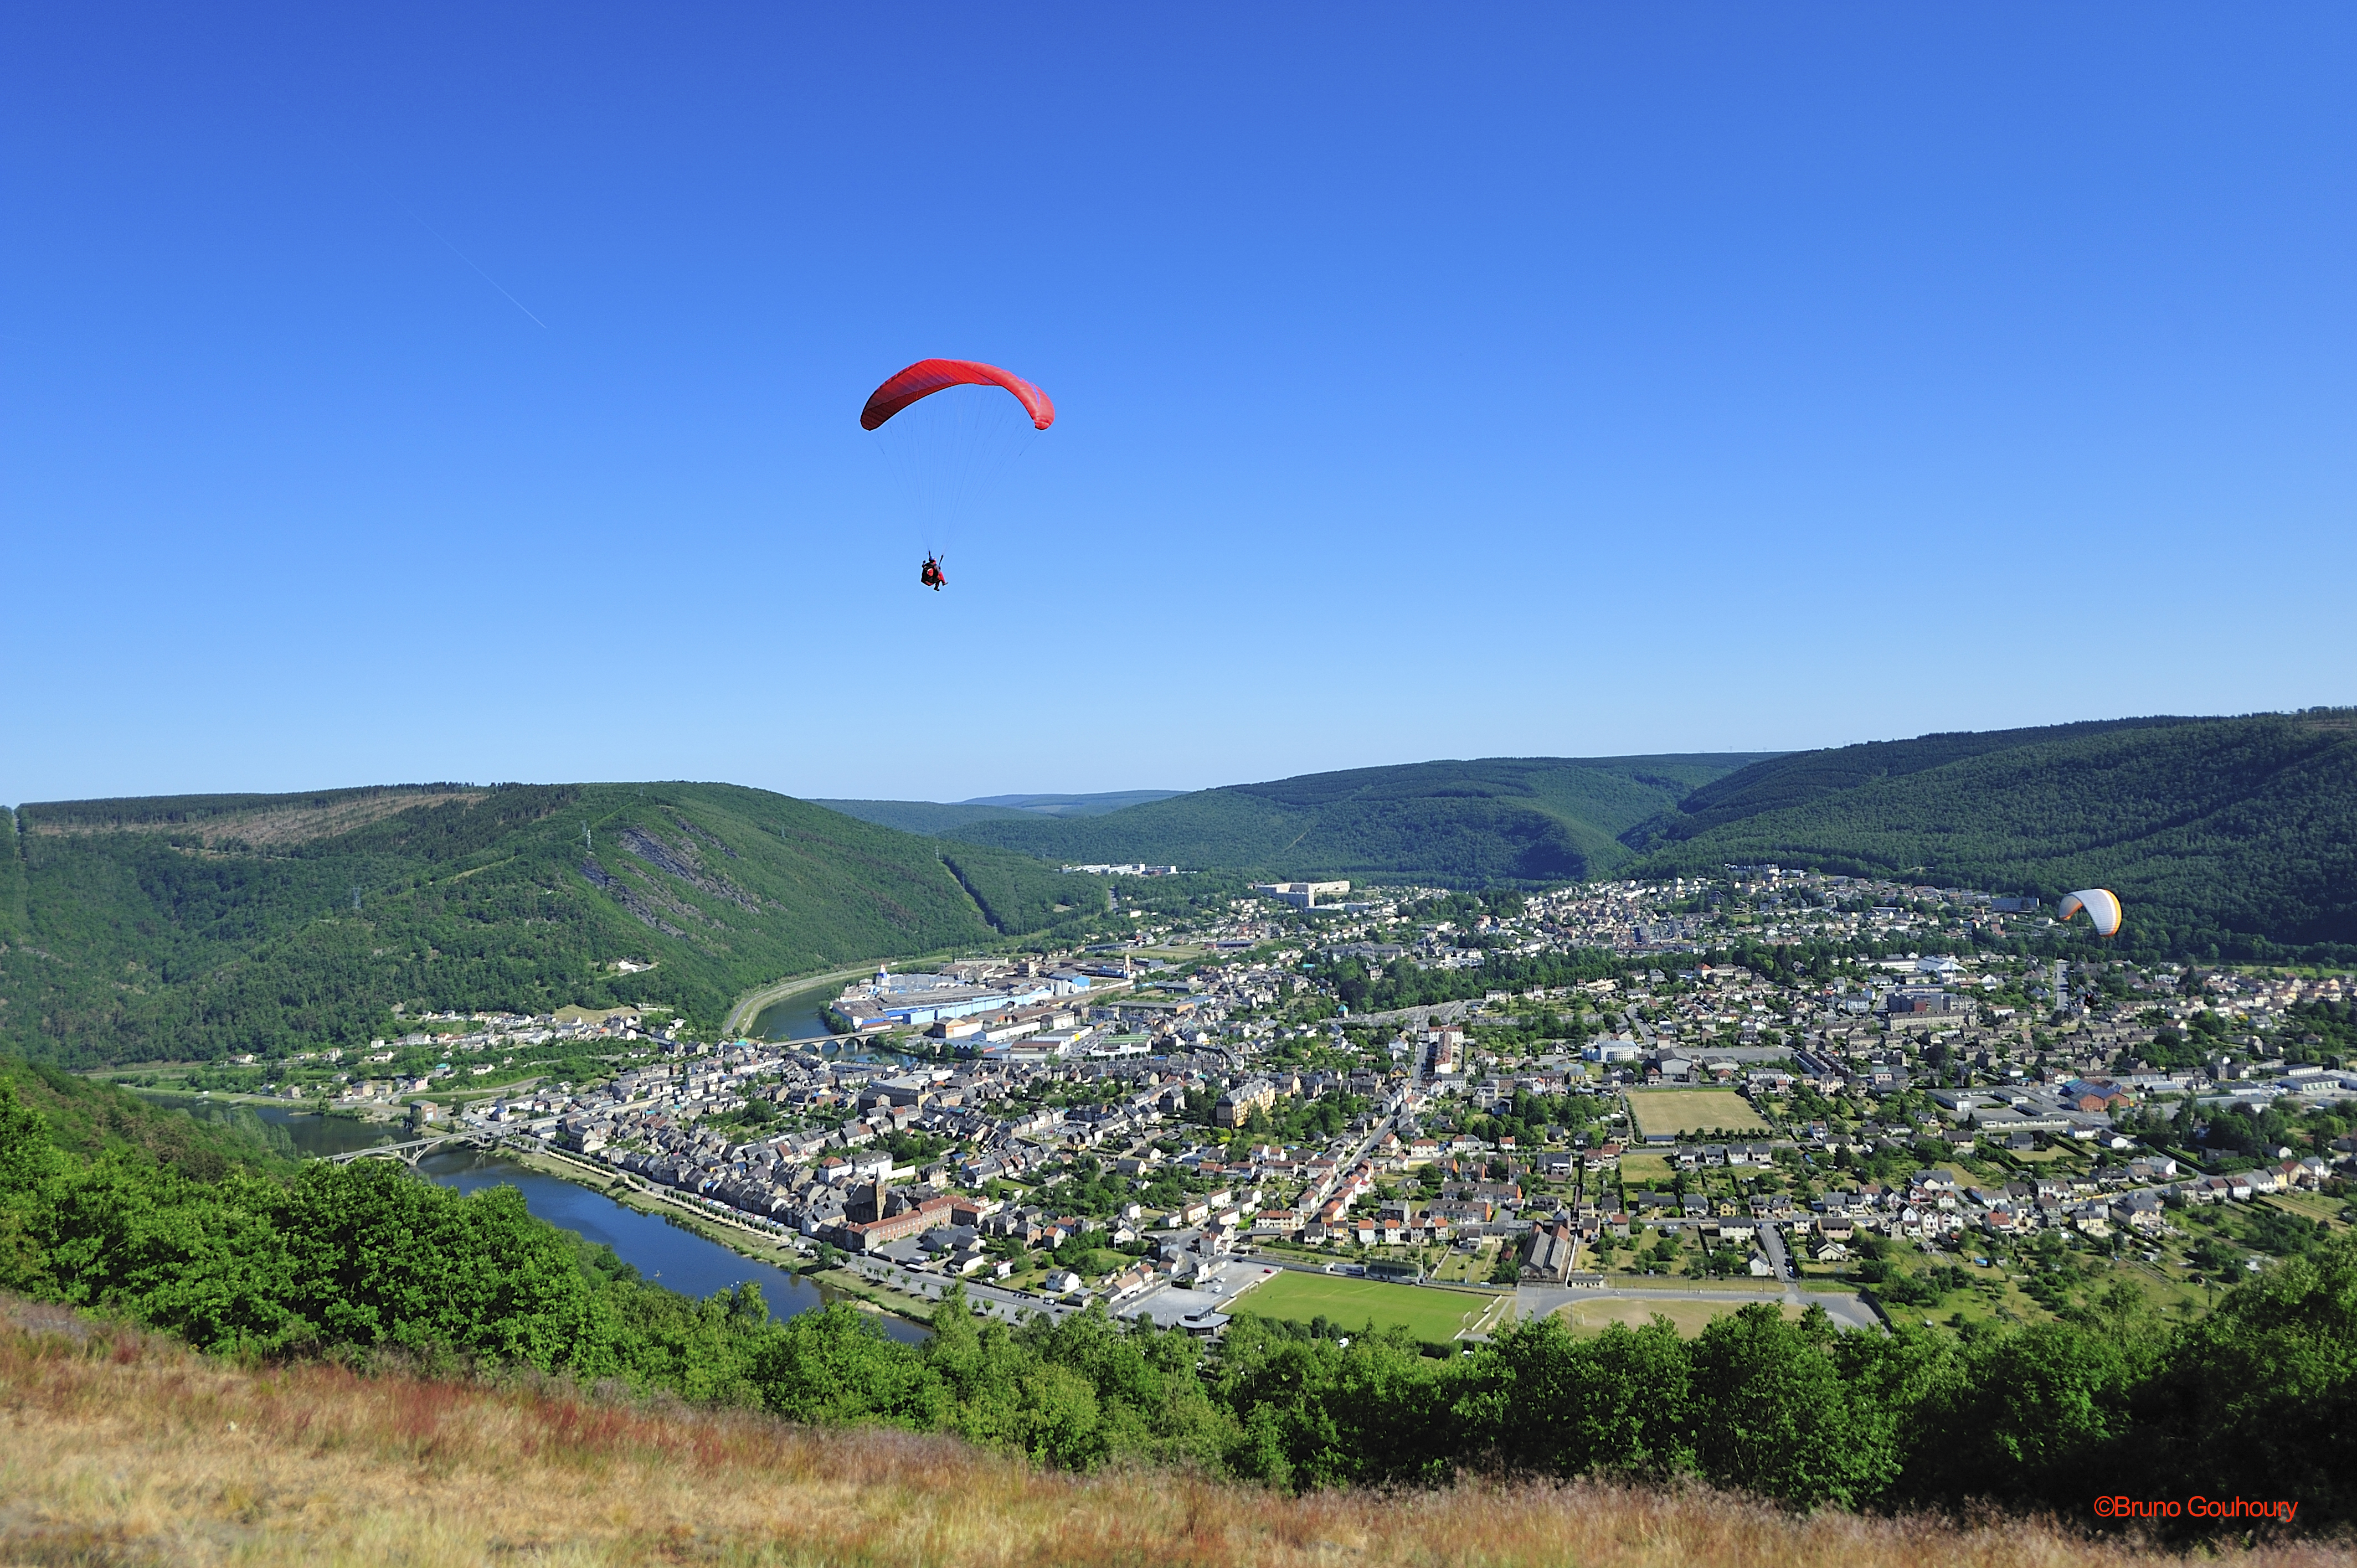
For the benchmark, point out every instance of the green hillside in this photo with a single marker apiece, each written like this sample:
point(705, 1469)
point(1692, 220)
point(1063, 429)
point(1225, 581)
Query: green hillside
point(2226, 838)
point(1460, 823)
point(90, 1118)
point(193, 926)
point(932, 817)
point(925, 817)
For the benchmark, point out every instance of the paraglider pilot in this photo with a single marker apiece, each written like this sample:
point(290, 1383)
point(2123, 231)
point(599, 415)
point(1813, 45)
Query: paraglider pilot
point(925, 378)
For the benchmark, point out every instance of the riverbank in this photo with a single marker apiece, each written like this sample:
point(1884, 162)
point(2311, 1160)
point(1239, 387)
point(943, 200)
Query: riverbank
point(752, 1004)
point(764, 1246)
point(795, 1258)
point(867, 1293)
point(746, 1241)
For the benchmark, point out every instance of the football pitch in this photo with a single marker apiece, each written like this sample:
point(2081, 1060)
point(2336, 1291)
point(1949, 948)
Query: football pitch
point(1659, 1110)
point(1430, 1315)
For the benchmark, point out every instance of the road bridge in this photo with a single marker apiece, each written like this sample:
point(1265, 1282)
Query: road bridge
point(410, 1153)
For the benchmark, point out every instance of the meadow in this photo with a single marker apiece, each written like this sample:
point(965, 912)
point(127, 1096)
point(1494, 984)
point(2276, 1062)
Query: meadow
point(1692, 1111)
point(1638, 1169)
point(1686, 1316)
point(1433, 1315)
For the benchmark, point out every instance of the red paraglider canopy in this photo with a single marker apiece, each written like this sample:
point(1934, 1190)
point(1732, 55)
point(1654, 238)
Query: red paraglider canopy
point(927, 377)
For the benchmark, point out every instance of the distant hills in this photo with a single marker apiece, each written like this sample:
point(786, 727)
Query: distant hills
point(1468, 823)
point(2226, 838)
point(2229, 837)
point(930, 817)
point(192, 927)
point(1075, 805)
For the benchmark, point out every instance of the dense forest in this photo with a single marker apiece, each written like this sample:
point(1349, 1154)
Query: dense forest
point(1459, 823)
point(2230, 839)
point(2226, 838)
point(2259, 1399)
point(197, 927)
point(927, 817)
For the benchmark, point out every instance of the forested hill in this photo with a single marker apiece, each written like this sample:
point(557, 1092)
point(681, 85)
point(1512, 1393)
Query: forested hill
point(191, 927)
point(927, 817)
point(1461, 823)
point(2230, 838)
point(2226, 838)
point(940, 817)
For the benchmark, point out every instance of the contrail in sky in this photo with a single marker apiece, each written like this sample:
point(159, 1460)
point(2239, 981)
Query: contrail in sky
point(462, 255)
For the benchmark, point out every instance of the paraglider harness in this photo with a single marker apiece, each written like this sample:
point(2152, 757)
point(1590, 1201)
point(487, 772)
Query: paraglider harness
point(930, 575)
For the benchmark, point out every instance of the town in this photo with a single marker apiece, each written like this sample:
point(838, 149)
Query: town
point(1885, 1106)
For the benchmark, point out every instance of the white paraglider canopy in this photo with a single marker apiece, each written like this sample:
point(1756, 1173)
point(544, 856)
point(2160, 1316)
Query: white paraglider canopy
point(2102, 907)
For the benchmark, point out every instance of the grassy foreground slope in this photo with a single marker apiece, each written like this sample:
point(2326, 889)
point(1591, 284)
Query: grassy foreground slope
point(1460, 823)
point(124, 1448)
point(196, 926)
point(2226, 838)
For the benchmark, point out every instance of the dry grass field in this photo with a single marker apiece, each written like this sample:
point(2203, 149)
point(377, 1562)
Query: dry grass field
point(1688, 1318)
point(1639, 1169)
point(118, 1449)
point(1692, 1111)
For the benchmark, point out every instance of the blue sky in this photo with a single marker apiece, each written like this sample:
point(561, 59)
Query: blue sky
point(470, 392)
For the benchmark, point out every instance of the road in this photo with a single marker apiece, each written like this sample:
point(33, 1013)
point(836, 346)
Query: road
point(1771, 1241)
point(1325, 1189)
point(991, 1300)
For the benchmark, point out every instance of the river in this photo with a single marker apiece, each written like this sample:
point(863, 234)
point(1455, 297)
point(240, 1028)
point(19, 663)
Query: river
point(317, 1136)
point(679, 1260)
point(797, 1017)
point(801, 1018)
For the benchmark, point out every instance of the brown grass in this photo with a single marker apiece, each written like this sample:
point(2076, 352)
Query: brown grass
point(1688, 1318)
point(120, 1448)
point(1692, 1111)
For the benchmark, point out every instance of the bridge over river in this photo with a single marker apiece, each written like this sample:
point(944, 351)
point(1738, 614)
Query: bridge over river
point(410, 1153)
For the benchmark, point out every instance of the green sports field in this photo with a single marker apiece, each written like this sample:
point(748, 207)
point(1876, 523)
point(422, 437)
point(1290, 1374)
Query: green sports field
point(1692, 1111)
point(1433, 1315)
